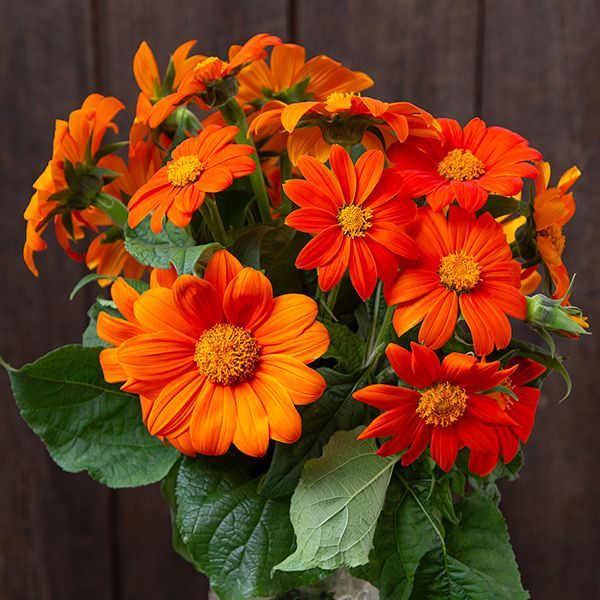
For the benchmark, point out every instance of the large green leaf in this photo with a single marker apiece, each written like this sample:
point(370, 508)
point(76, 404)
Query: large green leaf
point(335, 410)
point(173, 246)
point(279, 250)
point(476, 561)
point(337, 503)
point(86, 423)
point(232, 533)
point(346, 347)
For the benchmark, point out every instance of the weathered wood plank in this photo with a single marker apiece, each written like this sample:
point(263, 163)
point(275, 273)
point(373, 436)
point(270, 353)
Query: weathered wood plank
point(148, 566)
point(53, 526)
point(541, 62)
point(421, 51)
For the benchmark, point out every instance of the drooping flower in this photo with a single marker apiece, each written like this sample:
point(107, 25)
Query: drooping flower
point(467, 166)
point(76, 142)
point(210, 77)
point(342, 118)
point(522, 411)
point(465, 266)
point(200, 165)
point(289, 77)
point(357, 212)
point(445, 407)
point(217, 360)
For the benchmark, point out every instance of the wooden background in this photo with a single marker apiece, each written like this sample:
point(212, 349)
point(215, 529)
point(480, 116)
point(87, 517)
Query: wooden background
point(532, 66)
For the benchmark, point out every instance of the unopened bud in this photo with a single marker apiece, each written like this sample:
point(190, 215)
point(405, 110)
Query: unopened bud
point(549, 314)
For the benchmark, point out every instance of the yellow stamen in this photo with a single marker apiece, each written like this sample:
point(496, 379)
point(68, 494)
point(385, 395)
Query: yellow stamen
point(505, 401)
point(355, 220)
point(442, 404)
point(227, 354)
point(337, 101)
point(461, 165)
point(206, 62)
point(557, 237)
point(184, 170)
point(459, 272)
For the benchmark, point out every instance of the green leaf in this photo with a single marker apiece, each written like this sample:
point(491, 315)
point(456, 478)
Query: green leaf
point(173, 246)
point(90, 337)
point(233, 204)
point(86, 423)
point(477, 562)
point(246, 247)
point(499, 206)
point(346, 347)
point(335, 410)
point(232, 533)
point(337, 503)
point(279, 250)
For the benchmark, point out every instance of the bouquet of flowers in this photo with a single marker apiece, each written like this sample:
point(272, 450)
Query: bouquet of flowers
point(309, 334)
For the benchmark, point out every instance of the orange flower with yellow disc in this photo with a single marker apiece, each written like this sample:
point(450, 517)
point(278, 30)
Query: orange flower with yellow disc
point(467, 166)
point(218, 360)
point(201, 165)
point(73, 177)
point(343, 117)
point(465, 265)
point(357, 212)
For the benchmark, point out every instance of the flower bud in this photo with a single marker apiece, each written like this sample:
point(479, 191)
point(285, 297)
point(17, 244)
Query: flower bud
point(549, 314)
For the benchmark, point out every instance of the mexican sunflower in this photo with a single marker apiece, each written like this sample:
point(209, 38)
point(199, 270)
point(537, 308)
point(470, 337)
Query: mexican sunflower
point(216, 360)
point(522, 411)
point(357, 212)
point(445, 407)
point(200, 165)
point(85, 128)
point(152, 88)
point(210, 70)
point(343, 117)
point(106, 253)
point(466, 166)
point(465, 265)
point(291, 78)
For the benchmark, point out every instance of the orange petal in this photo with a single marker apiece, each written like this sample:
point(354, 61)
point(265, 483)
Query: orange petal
point(221, 269)
point(252, 430)
point(248, 299)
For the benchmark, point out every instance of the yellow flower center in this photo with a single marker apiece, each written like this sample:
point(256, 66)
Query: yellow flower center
point(442, 404)
point(461, 165)
point(557, 238)
point(355, 220)
point(206, 62)
point(337, 101)
point(227, 354)
point(184, 170)
point(459, 272)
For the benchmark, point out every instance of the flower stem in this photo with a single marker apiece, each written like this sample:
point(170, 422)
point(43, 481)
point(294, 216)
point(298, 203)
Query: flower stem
point(286, 170)
point(373, 327)
point(211, 215)
point(112, 207)
point(378, 347)
point(234, 115)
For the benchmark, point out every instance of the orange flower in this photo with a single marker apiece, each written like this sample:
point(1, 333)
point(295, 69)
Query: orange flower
point(357, 213)
point(445, 408)
point(467, 166)
point(204, 164)
point(217, 360)
point(85, 128)
point(152, 89)
point(106, 254)
point(209, 71)
point(290, 78)
point(343, 118)
point(466, 265)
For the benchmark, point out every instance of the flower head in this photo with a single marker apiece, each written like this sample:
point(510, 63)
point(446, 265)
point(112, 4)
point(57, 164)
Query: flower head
point(204, 164)
point(467, 166)
point(465, 265)
point(443, 406)
point(217, 360)
point(357, 212)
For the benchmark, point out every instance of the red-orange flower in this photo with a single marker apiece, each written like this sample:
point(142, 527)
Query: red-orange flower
point(201, 165)
point(522, 411)
point(85, 128)
point(343, 118)
point(217, 360)
point(357, 212)
point(467, 166)
point(445, 407)
point(465, 264)
point(291, 78)
point(210, 70)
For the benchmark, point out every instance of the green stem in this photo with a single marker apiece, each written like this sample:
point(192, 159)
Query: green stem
point(113, 207)
point(234, 115)
point(286, 170)
point(378, 349)
point(332, 297)
point(373, 327)
point(211, 215)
